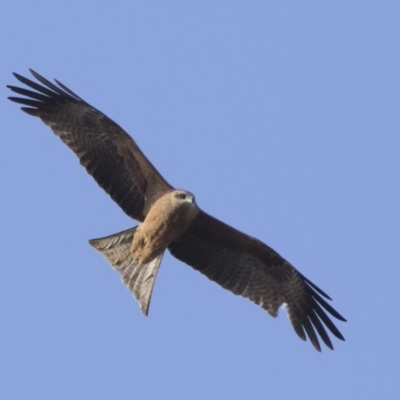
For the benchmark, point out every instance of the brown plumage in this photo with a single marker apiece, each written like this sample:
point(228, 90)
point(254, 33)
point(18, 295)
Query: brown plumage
point(171, 219)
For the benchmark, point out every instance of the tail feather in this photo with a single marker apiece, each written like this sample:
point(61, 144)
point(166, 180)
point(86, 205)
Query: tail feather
point(138, 277)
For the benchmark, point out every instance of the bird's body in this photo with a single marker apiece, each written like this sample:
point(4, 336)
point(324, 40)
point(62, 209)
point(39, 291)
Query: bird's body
point(171, 219)
point(167, 219)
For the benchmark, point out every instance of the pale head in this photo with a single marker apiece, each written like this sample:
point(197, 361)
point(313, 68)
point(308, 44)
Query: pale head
point(181, 196)
point(182, 206)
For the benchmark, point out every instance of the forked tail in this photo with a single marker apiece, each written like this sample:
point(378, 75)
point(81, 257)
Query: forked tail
point(138, 277)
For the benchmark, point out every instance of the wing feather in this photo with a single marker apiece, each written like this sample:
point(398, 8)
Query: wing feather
point(248, 267)
point(107, 152)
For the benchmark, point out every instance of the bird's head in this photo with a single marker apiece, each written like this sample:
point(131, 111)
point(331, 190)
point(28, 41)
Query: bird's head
point(182, 197)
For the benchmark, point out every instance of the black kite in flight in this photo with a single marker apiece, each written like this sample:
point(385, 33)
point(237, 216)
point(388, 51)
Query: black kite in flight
point(170, 219)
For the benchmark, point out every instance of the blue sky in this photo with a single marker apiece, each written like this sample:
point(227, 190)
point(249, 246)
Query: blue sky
point(282, 118)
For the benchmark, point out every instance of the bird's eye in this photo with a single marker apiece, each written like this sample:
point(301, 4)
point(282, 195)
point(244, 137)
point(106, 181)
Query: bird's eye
point(182, 196)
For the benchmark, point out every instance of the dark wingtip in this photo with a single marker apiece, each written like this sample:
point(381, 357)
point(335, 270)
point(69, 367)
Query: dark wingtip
point(340, 318)
point(319, 348)
point(35, 74)
point(316, 288)
point(316, 345)
point(30, 111)
point(18, 76)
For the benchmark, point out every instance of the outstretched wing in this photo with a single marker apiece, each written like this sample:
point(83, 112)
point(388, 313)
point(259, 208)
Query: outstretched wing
point(107, 152)
point(248, 267)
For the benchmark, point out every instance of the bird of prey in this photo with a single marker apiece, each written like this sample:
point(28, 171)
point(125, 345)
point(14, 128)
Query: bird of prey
point(171, 219)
